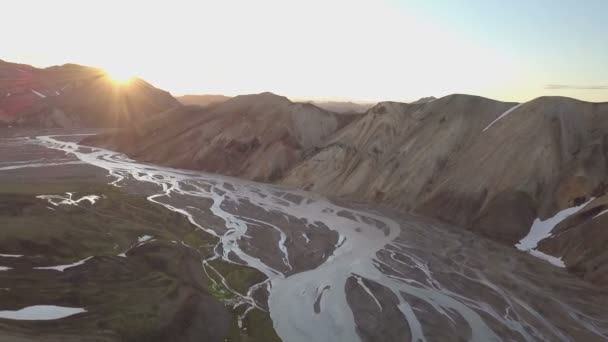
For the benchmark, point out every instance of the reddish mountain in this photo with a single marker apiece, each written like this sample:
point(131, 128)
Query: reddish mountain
point(74, 96)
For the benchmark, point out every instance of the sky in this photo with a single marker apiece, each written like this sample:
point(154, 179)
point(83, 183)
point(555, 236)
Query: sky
point(363, 50)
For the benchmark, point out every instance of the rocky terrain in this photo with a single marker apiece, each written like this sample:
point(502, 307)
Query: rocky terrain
point(491, 167)
point(98, 247)
point(108, 264)
point(71, 95)
point(506, 171)
point(251, 136)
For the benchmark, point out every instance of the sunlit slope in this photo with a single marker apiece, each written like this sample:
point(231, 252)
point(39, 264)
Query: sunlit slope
point(256, 136)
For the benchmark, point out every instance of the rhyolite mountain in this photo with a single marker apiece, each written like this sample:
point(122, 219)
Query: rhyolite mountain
point(72, 95)
point(492, 167)
point(258, 136)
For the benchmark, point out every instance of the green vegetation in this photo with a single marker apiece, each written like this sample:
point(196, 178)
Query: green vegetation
point(158, 292)
point(221, 293)
point(239, 278)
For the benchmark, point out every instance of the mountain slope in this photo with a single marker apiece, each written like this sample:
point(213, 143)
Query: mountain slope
point(396, 150)
point(251, 136)
point(545, 156)
point(74, 96)
point(343, 107)
point(495, 168)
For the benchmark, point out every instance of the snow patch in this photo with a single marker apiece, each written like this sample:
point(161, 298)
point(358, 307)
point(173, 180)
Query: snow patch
point(143, 238)
point(541, 230)
point(556, 261)
point(600, 214)
point(11, 255)
point(503, 115)
point(39, 94)
point(62, 268)
point(4, 268)
point(305, 236)
point(40, 313)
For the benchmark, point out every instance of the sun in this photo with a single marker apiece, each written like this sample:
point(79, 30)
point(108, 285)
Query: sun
point(120, 75)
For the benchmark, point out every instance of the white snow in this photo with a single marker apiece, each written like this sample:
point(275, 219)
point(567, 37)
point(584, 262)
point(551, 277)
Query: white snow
point(140, 242)
point(556, 261)
point(600, 214)
point(503, 115)
point(4, 268)
point(40, 313)
point(144, 238)
point(39, 94)
point(57, 92)
point(62, 268)
point(541, 230)
point(8, 94)
point(306, 237)
point(11, 255)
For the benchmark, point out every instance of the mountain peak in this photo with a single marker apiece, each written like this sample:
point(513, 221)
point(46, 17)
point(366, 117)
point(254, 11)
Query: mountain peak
point(425, 99)
point(265, 97)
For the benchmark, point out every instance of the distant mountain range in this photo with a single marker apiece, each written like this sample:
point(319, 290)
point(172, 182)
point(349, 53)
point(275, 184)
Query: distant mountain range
point(347, 107)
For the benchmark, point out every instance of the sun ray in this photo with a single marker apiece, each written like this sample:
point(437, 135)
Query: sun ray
point(120, 75)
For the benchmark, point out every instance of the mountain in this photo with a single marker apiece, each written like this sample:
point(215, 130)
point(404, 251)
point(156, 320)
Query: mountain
point(251, 136)
point(425, 99)
point(343, 107)
point(332, 106)
point(502, 170)
point(202, 100)
point(396, 150)
point(74, 96)
point(531, 175)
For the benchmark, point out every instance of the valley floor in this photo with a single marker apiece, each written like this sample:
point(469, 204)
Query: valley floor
point(122, 250)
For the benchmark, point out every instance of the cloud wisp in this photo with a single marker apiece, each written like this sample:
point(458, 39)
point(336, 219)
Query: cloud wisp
point(577, 87)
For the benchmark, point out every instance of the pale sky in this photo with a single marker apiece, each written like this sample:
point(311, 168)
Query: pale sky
point(363, 50)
